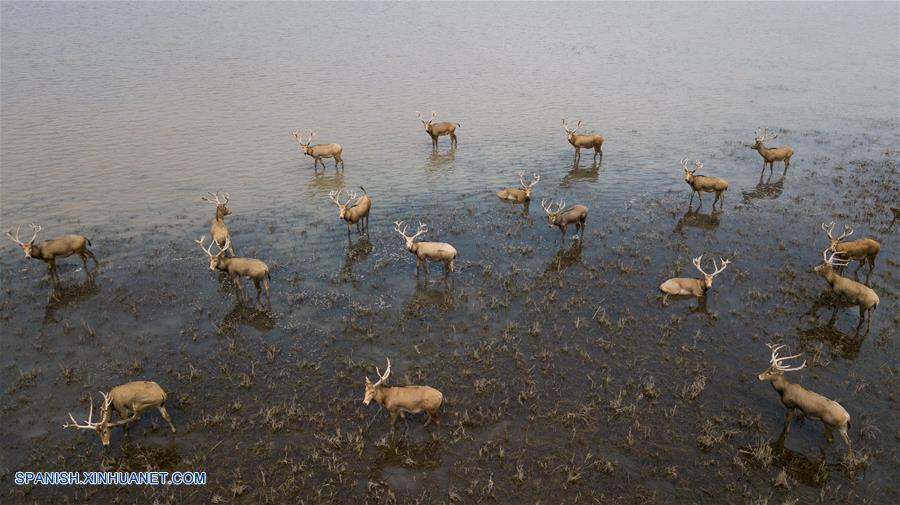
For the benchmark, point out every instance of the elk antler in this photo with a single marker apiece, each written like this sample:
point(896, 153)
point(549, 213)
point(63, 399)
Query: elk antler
point(89, 424)
point(214, 198)
point(831, 260)
point(765, 136)
point(383, 377)
point(828, 228)
point(777, 362)
point(535, 178)
point(207, 250)
point(684, 165)
point(698, 164)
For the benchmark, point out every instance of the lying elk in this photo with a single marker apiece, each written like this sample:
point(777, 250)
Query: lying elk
point(129, 400)
point(563, 218)
point(319, 151)
point(689, 286)
point(856, 293)
point(436, 130)
point(521, 194)
point(592, 141)
point(355, 210)
point(795, 396)
point(239, 267)
point(50, 250)
point(704, 183)
point(427, 251)
point(218, 230)
point(862, 250)
point(771, 154)
point(403, 399)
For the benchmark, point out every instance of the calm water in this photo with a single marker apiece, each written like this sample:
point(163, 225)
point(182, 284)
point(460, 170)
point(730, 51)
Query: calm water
point(117, 118)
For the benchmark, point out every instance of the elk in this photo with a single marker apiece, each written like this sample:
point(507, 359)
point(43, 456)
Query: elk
point(427, 251)
point(521, 194)
point(239, 267)
point(319, 151)
point(50, 250)
point(563, 218)
point(856, 293)
point(403, 399)
point(862, 250)
point(355, 210)
point(436, 130)
point(811, 404)
point(594, 142)
point(771, 154)
point(689, 286)
point(218, 231)
point(133, 398)
point(704, 183)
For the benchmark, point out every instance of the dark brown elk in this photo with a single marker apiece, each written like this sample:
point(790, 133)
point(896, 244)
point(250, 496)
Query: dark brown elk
point(704, 183)
point(236, 268)
point(855, 292)
point(427, 251)
point(591, 141)
point(521, 194)
point(862, 250)
point(355, 210)
point(129, 400)
point(319, 151)
point(771, 154)
point(50, 250)
point(403, 400)
point(576, 214)
point(687, 286)
point(436, 130)
point(218, 230)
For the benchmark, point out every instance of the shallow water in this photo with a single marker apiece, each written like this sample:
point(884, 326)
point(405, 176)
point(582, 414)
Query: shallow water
point(564, 377)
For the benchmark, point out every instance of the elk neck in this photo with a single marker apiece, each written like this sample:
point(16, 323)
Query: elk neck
point(220, 214)
point(380, 394)
point(780, 384)
point(830, 276)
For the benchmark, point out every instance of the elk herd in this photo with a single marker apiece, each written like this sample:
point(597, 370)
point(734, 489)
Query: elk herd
point(131, 399)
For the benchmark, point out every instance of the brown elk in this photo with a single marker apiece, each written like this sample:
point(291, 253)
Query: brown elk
point(402, 400)
point(686, 286)
point(811, 404)
point(704, 183)
point(218, 230)
point(436, 130)
point(236, 268)
point(855, 292)
point(129, 400)
point(771, 154)
point(319, 151)
point(576, 214)
point(862, 250)
point(355, 210)
point(427, 251)
point(50, 250)
point(592, 141)
point(521, 194)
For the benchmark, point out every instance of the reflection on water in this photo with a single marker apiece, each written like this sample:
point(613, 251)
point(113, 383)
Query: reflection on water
point(693, 218)
point(63, 296)
point(841, 344)
point(438, 295)
point(245, 315)
point(565, 257)
point(357, 252)
point(586, 174)
point(322, 183)
point(438, 161)
point(765, 189)
point(808, 470)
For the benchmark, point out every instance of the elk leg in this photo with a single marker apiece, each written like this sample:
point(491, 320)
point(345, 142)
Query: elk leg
point(392, 417)
point(577, 153)
point(237, 284)
point(789, 417)
point(165, 414)
point(265, 283)
point(597, 152)
point(846, 437)
point(434, 140)
point(425, 263)
point(258, 290)
point(453, 139)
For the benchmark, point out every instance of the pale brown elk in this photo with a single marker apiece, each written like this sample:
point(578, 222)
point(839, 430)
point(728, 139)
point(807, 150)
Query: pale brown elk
point(855, 292)
point(427, 251)
point(129, 400)
point(236, 268)
point(319, 151)
point(355, 210)
point(771, 154)
point(50, 250)
point(811, 404)
point(862, 250)
point(704, 183)
point(687, 286)
point(521, 194)
point(436, 130)
point(591, 141)
point(576, 214)
point(402, 400)
point(218, 230)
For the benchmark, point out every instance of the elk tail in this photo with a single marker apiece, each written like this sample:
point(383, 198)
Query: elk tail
point(89, 241)
point(268, 275)
point(458, 125)
point(364, 190)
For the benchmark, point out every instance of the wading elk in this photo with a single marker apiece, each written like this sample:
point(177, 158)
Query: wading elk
point(436, 130)
point(704, 183)
point(686, 286)
point(60, 247)
point(218, 230)
point(563, 218)
point(427, 251)
point(856, 293)
point(129, 400)
point(592, 141)
point(239, 267)
point(862, 250)
point(795, 396)
point(771, 154)
point(403, 399)
point(319, 151)
point(355, 210)
point(522, 194)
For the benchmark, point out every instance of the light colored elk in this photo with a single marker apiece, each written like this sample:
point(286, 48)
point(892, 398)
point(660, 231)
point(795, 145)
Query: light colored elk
point(404, 399)
point(218, 230)
point(771, 154)
point(236, 268)
point(704, 183)
point(576, 214)
point(50, 250)
point(855, 292)
point(521, 194)
point(862, 250)
point(319, 151)
point(436, 130)
point(427, 251)
point(687, 286)
point(592, 141)
point(355, 210)
point(129, 400)
point(795, 396)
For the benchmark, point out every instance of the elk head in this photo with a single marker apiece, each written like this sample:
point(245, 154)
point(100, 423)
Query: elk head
point(214, 259)
point(304, 146)
point(776, 368)
point(833, 242)
point(335, 196)
point(830, 261)
point(26, 246)
point(528, 188)
point(103, 427)
point(708, 278)
point(426, 124)
point(570, 132)
point(762, 138)
point(371, 389)
point(219, 200)
point(688, 173)
point(410, 239)
point(552, 212)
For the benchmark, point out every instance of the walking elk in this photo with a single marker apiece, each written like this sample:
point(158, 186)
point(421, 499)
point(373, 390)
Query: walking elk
point(319, 151)
point(129, 400)
point(704, 183)
point(563, 218)
point(522, 194)
point(862, 250)
point(592, 141)
point(355, 210)
point(436, 130)
point(218, 231)
point(236, 268)
point(50, 250)
point(856, 293)
point(686, 286)
point(403, 399)
point(771, 154)
point(427, 251)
